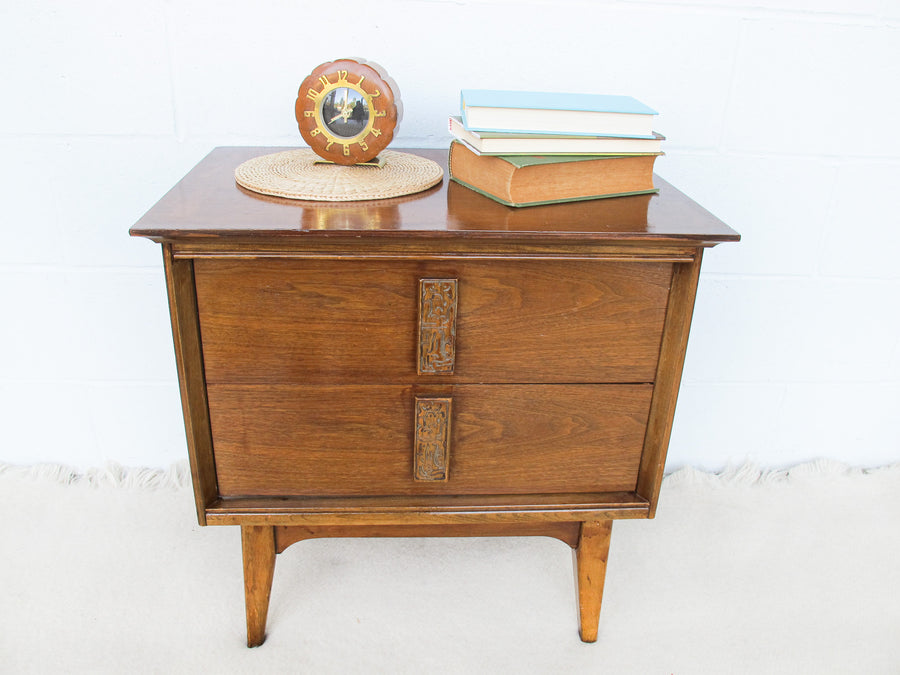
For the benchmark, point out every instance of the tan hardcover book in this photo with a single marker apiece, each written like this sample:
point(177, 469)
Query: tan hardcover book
point(478, 212)
point(533, 180)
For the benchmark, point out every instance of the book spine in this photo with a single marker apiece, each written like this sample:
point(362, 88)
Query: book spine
point(462, 109)
point(450, 161)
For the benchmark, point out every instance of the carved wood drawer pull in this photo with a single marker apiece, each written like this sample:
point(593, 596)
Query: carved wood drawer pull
point(432, 444)
point(437, 326)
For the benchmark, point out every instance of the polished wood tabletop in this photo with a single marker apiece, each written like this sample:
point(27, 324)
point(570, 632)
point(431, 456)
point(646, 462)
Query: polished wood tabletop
point(208, 203)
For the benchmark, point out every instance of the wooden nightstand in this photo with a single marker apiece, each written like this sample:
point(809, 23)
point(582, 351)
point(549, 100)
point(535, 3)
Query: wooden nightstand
point(430, 365)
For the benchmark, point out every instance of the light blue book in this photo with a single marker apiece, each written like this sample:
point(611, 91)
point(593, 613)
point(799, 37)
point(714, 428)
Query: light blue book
point(490, 110)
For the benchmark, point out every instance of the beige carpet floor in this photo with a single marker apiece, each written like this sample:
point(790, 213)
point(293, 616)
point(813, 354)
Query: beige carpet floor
point(746, 572)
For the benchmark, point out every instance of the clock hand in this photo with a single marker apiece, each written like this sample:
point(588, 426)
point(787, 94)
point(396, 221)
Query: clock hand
point(346, 111)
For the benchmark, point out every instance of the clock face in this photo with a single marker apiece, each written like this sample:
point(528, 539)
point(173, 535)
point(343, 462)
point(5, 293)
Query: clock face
point(345, 112)
point(348, 110)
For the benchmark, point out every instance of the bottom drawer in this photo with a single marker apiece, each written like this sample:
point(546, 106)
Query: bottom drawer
point(361, 440)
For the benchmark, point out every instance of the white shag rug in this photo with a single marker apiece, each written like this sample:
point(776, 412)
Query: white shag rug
point(742, 572)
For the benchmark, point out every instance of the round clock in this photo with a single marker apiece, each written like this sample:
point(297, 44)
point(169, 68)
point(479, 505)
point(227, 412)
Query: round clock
point(348, 110)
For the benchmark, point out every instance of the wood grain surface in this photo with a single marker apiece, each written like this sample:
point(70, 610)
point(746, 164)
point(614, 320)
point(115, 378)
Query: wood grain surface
point(668, 379)
point(192, 385)
point(311, 321)
point(358, 440)
point(286, 535)
point(427, 510)
point(591, 557)
point(258, 548)
point(207, 205)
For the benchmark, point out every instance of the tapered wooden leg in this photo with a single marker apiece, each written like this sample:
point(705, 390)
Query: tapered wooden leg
point(590, 571)
point(258, 544)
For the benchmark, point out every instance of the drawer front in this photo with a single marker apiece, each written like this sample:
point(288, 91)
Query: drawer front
point(324, 322)
point(363, 440)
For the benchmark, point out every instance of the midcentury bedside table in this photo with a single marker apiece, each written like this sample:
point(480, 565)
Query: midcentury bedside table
point(437, 364)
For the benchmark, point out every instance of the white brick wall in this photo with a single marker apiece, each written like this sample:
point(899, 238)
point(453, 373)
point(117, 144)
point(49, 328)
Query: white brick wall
point(780, 116)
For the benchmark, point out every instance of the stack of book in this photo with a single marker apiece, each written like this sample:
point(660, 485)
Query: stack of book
point(529, 148)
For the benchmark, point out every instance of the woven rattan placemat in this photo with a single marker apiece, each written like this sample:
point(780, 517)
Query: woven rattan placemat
point(294, 174)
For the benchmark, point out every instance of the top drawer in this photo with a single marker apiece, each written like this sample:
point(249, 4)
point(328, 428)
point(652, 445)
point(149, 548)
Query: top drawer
point(517, 321)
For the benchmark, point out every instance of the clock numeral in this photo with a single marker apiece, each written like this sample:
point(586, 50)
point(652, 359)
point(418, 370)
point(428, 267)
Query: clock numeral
point(376, 133)
point(309, 113)
point(328, 145)
point(315, 132)
point(342, 75)
point(312, 94)
point(361, 78)
point(346, 151)
point(376, 94)
point(324, 80)
point(363, 145)
point(382, 113)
